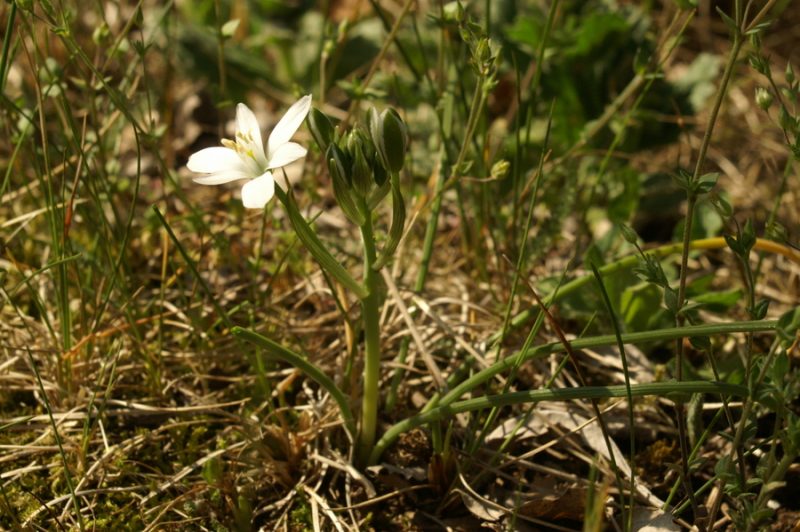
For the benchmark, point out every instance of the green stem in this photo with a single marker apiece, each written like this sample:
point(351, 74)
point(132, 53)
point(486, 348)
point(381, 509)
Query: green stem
point(737, 445)
point(6, 46)
point(61, 452)
point(475, 110)
point(370, 314)
point(621, 346)
point(223, 78)
point(564, 394)
point(680, 412)
point(686, 245)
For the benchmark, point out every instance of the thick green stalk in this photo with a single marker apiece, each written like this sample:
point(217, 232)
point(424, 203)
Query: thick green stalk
point(370, 314)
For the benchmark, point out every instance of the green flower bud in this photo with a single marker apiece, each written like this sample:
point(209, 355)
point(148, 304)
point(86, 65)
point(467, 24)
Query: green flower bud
point(628, 234)
point(341, 31)
point(390, 135)
point(358, 146)
point(321, 128)
point(786, 121)
point(338, 164)
point(482, 53)
point(342, 190)
point(379, 173)
point(101, 33)
point(453, 12)
point(789, 73)
point(499, 169)
point(763, 98)
point(759, 64)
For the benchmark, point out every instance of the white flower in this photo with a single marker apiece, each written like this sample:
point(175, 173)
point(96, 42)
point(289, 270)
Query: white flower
point(244, 157)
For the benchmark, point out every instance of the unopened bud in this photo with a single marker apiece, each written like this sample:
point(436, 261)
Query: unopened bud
point(361, 169)
point(453, 12)
point(763, 98)
point(338, 164)
point(390, 135)
point(787, 121)
point(499, 169)
point(341, 31)
point(321, 128)
point(628, 234)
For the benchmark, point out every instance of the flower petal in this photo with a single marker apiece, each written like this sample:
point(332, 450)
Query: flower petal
point(257, 192)
point(287, 153)
point(249, 132)
point(288, 125)
point(214, 160)
point(218, 178)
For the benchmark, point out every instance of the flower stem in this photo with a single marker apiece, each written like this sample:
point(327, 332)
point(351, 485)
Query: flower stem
point(370, 312)
point(686, 246)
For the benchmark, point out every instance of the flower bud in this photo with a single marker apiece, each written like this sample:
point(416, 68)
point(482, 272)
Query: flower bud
point(341, 31)
point(390, 135)
point(342, 190)
point(358, 145)
point(763, 98)
point(453, 12)
point(321, 128)
point(789, 73)
point(499, 169)
point(787, 121)
point(338, 164)
point(628, 234)
point(379, 172)
point(759, 64)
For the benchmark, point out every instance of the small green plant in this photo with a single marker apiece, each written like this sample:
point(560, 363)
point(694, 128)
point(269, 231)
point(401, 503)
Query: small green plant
point(364, 166)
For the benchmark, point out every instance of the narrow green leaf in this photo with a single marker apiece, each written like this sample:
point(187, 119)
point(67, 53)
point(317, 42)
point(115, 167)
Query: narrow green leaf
point(314, 246)
point(398, 224)
point(561, 394)
point(278, 352)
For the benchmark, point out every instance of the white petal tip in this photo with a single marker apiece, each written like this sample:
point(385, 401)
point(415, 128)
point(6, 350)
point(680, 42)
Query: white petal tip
point(257, 192)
